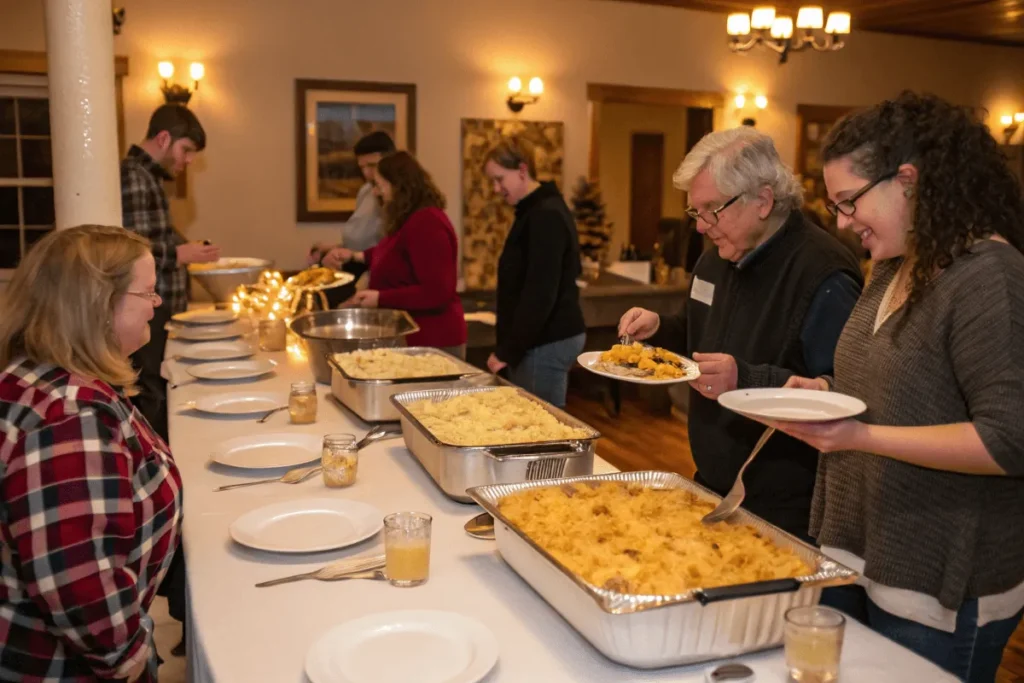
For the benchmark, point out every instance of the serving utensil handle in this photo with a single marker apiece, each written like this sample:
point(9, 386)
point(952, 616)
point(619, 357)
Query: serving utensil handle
point(287, 579)
point(245, 483)
point(746, 590)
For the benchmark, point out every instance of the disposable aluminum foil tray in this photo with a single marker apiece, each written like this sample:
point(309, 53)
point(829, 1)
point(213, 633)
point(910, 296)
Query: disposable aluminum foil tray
point(652, 631)
point(370, 398)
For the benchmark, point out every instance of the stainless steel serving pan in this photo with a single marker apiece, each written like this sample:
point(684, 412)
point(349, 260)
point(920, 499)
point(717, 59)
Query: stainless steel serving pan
point(652, 631)
point(457, 468)
point(370, 399)
point(325, 333)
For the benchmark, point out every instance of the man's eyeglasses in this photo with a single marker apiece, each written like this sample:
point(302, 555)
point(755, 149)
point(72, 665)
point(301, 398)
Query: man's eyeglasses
point(153, 297)
point(711, 217)
point(848, 206)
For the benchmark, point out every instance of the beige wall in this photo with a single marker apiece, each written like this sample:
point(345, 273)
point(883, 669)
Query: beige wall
point(461, 53)
point(618, 124)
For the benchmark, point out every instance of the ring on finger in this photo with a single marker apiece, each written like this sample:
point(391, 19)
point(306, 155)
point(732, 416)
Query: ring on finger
point(707, 387)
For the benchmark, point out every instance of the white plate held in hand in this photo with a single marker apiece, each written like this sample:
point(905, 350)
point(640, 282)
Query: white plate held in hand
point(591, 360)
point(209, 316)
point(233, 369)
point(307, 525)
point(217, 350)
point(269, 451)
point(415, 646)
point(792, 405)
point(240, 402)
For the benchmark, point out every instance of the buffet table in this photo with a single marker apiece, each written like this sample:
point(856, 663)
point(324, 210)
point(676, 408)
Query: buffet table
point(238, 633)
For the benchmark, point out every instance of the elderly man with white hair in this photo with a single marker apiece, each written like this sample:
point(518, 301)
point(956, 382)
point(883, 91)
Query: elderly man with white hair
point(768, 303)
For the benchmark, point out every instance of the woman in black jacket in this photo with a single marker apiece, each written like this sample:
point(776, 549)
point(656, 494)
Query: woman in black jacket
point(540, 326)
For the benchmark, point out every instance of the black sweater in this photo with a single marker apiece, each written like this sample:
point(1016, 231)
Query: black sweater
point(756, 314)
point(538, 300)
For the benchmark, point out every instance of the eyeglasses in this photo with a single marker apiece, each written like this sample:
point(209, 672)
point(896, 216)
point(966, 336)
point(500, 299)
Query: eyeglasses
point(711, 217)
point(848, 206)
point(153, 297)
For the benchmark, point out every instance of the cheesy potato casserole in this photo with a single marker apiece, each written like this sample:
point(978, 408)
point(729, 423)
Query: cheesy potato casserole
point(643, 541)
point(490, 418)
point(390, 364)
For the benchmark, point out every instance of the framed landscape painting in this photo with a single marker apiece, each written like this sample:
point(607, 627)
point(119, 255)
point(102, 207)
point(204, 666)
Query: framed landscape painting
point(331, 116)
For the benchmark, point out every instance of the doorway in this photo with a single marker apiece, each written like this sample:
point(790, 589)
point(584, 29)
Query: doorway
point(639, 136)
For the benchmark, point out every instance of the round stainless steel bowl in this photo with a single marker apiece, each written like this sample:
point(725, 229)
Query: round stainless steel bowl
point(325, 333)
point(222, 277)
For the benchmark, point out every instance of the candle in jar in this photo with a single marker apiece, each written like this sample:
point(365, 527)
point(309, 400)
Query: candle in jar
point(340, 460)
point(407, 548)
point(302, 403)
point(273, 334)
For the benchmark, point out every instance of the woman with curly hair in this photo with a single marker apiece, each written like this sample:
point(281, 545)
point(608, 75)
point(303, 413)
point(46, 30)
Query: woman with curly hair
point(414, 267)
point(924, 494)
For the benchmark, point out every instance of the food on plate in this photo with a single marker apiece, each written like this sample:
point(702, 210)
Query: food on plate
point(490, 418)
point(220, 264)
point(390, 364)
point(313, 277)
point(638, 360)
point(644, 541)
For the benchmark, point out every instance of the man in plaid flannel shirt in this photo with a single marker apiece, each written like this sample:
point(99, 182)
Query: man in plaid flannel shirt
point(173, 139)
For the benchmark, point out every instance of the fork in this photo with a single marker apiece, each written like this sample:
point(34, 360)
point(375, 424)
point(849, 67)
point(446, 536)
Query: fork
point(361, 568)
point(737, 493)
point(293, 476)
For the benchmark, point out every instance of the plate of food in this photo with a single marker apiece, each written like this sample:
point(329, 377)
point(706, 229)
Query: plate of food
point(319, 278)
point(641, 364)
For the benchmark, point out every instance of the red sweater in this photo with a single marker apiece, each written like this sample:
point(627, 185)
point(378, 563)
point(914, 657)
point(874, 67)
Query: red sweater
point(415, 269)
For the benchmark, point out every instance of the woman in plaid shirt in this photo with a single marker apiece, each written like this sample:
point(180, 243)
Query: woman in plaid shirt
point(90, 498)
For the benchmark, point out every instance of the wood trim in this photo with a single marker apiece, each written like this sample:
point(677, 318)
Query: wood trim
point(302, 85)
point(34, 63)
point(603, 93)
point(627, 94)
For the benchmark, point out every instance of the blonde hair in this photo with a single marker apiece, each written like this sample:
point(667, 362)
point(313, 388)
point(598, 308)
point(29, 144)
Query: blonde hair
point(59, 305)
point(511, 152)
point(742, 161)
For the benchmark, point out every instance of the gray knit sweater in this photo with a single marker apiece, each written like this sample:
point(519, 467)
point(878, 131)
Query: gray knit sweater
point(958, 358)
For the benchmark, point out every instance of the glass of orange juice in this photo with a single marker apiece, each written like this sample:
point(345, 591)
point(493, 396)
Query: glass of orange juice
point(407, 548)
point(814, 643)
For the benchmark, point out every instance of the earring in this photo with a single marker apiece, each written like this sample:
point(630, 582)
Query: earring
point(909, 192)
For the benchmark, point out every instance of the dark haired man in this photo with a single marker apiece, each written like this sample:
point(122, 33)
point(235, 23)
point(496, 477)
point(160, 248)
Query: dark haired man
point(173, 139)
point(364, 228)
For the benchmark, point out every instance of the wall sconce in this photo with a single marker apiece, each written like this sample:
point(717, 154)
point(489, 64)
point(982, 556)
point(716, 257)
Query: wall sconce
point(517, 99)
point(177, 94)
point(1010, 125)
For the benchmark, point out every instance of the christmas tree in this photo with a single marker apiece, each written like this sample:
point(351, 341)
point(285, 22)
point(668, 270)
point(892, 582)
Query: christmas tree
point(589, 211)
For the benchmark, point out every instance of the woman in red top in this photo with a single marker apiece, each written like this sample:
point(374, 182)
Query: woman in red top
point(414, 268)
point(90, 498)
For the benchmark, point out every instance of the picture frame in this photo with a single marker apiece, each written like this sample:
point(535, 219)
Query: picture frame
point(330, 117)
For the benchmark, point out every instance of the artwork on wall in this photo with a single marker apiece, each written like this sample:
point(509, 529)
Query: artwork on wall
point(814, 124)
point(486, 218)
point(330, 117)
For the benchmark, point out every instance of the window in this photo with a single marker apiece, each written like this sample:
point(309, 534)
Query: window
point(26, 170)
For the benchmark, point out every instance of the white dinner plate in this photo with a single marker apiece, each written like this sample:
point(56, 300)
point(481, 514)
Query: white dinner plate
point(217, 350)
point(591, 360)
point(233, 369)
point(268, 451)
point(792, 405)
point(240, 402)
point(308, 525)
point(208, 332)
point(209, 316)
point(425, 646)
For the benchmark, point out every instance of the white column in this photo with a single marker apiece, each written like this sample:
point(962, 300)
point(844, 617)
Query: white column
point(83, 115)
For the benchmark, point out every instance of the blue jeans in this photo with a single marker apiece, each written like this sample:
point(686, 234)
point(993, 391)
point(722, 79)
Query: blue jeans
point(544, 370)
point(971, 653)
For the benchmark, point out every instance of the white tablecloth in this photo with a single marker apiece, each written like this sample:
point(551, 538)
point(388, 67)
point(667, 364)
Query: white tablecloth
point(242, 634)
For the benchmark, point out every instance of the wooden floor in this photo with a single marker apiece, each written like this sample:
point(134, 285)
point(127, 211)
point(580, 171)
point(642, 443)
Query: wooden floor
point(640, 440)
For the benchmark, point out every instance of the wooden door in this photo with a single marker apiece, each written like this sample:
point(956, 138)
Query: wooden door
point(647, 168)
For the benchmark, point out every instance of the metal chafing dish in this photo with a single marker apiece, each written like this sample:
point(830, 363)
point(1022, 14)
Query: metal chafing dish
point(325, 333)
point(370, 398)
point(652, 631)
point(457, 468)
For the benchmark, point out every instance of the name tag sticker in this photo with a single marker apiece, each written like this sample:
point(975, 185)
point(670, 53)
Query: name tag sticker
point(702, 291)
